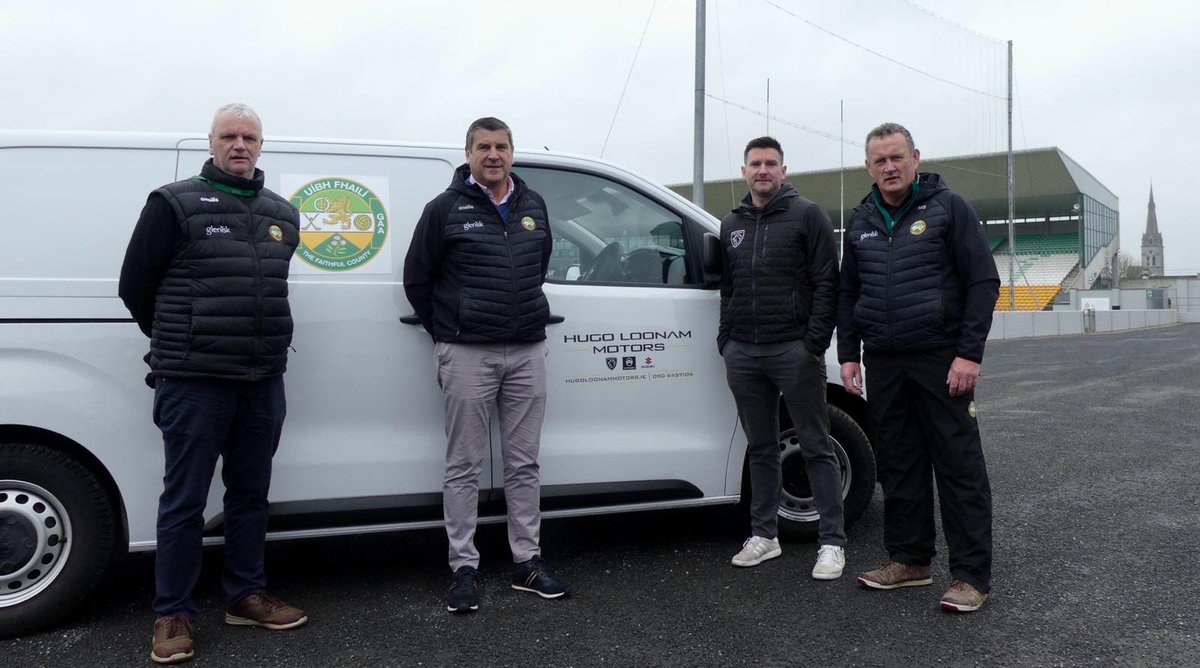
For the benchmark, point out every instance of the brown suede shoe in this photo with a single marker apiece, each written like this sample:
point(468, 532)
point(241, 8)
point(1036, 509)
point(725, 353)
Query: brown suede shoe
point(173, 640)
point(962, 597)
point(263, 609)
point(893, 574)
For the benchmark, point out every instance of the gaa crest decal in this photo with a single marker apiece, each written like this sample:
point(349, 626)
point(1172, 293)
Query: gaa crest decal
point(343, 224)
point(735, 237)
point(917, 227)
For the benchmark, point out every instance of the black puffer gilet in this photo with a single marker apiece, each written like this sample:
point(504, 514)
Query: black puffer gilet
point(222, 308)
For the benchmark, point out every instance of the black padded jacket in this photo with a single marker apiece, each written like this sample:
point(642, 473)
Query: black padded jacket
point(213, 297)
point(780, 273)
point(929, 283)
point(474, 278)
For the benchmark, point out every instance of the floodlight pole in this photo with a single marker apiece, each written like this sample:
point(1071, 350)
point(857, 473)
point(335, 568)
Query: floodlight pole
point(698, 125)
point(1012, 257)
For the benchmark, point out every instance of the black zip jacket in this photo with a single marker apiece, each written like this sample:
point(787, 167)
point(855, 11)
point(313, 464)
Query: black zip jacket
point(929, 283)
point(474, 278)
point(780, 277)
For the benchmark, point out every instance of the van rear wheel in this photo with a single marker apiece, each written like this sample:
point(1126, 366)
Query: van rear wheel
point(798, 514)
point(57, 533)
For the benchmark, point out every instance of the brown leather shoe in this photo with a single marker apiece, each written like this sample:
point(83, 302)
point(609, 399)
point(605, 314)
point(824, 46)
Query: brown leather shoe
point(263, 609)
point(962, 597)
point(173, 640)
point(893, 574)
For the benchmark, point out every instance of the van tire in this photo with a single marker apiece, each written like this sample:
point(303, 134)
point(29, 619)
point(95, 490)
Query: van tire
point(798, 515)
point(58, 527)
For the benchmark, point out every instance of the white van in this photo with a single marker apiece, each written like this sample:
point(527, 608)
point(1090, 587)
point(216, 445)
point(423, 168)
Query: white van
point(639, 415)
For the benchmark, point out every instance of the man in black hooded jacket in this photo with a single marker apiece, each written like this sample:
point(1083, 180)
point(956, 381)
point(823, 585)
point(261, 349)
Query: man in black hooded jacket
point(778, 301)
point(917, 290)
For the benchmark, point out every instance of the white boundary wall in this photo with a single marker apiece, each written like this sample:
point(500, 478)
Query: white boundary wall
point(1026, 324)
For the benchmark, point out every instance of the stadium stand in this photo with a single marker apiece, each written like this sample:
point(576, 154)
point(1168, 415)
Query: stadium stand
point(1047, 244)
point(1027, 297)
point(1043, 263)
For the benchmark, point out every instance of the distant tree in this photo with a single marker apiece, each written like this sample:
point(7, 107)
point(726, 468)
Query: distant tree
point(1126, 267)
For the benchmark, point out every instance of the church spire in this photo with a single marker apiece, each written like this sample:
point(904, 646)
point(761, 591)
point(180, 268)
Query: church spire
point(1152, 242)
point(1151, 216)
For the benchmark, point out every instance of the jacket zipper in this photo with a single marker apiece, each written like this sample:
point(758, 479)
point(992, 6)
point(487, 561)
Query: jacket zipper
point(258, 291)
point(512, 268)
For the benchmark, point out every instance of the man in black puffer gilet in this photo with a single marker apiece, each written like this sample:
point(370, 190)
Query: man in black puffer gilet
point(206, 278)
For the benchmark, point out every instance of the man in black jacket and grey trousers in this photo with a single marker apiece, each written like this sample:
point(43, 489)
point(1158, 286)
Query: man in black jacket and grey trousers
point(917, 291)
point(778, 303)
point(474, 274)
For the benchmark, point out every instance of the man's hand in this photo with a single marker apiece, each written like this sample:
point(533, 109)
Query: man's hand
point(963, 376)
point(852, 378)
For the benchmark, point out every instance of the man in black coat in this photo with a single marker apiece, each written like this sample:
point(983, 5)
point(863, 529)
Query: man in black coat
point(778, 301)
point(474, 275)
point(205, 277)
point(917, 290)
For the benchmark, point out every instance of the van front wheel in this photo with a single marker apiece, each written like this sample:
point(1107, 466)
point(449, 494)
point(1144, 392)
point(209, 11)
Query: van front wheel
point(798, 514)
point(57, 530)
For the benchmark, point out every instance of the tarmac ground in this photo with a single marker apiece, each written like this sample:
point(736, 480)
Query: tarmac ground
point(1093, 448)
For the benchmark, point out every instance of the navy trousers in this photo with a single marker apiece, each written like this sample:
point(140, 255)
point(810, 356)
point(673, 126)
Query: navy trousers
point(201, 420)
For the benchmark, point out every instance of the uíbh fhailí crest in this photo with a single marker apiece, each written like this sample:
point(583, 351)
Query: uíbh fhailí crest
point(343, 224)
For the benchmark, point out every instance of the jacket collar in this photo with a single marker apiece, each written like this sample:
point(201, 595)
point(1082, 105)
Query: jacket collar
point(236, 185)
point(780, 201)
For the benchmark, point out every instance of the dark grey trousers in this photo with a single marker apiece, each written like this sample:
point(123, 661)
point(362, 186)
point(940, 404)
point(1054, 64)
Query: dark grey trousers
point(756, 382)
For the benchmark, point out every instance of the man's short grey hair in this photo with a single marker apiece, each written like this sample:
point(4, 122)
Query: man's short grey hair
point(492, 125)
point(238, 110)
point(887, 130)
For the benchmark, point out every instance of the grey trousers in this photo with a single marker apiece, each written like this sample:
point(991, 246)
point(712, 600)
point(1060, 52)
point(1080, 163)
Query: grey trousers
point(475, 378)
point(756, 382)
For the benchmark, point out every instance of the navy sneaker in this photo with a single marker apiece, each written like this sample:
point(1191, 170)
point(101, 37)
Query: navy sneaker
point(464, 590)
point(535, 576)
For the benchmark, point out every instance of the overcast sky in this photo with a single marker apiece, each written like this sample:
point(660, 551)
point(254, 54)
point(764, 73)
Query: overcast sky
point(1108, 82)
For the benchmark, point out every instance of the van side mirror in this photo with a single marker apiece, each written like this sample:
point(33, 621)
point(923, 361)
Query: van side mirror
point(713, 259)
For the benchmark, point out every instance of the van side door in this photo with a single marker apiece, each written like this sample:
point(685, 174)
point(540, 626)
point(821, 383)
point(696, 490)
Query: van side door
point(638, 410)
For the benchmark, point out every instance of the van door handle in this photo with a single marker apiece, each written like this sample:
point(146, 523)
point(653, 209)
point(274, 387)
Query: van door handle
point(414, 320)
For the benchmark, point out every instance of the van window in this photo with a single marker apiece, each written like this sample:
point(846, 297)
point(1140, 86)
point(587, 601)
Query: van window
point(605, 232)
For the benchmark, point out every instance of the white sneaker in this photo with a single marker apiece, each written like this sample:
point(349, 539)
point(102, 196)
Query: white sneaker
point(831, 559)
point(756, 550)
